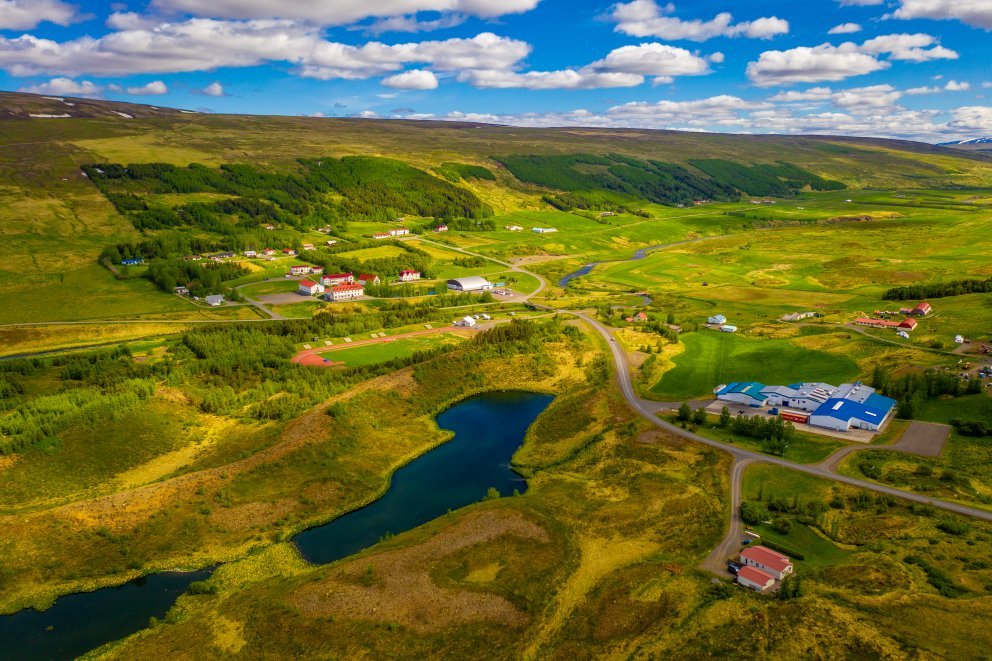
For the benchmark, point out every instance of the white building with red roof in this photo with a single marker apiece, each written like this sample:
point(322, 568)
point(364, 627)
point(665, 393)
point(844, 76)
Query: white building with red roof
point(767, 560)
point(754, 578)
point(334, 279)
point(345, 292)
point(309, 288)
point(409, 275)
point(299, 269)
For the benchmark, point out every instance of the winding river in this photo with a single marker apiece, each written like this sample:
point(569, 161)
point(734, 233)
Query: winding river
point(488, 429)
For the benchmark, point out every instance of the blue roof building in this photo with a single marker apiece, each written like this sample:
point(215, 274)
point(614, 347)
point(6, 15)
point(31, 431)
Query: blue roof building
point(742, 392)
point(845, 414)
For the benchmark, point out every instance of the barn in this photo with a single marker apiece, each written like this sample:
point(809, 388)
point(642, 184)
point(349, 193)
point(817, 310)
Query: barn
point(471, 283)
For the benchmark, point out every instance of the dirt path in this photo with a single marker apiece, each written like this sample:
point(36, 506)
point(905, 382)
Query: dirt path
point(716, 561)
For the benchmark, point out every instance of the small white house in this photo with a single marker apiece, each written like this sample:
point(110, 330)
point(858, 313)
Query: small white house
point(959, 339)
point(717, 320)
point(310, 288)
point(768, 561)
point(466, 322)
point(754, 579)
point(251, 253)
point(215, 300)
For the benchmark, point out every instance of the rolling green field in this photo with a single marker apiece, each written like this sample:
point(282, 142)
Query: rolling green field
point(712, 358)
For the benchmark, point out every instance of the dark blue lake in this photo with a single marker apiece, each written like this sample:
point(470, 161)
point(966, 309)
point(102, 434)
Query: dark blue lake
point(84, 621)
point(488, 429)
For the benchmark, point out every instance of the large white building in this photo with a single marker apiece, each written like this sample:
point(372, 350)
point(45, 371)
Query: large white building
point(345, 292)
point(309, 288)
point(771, 562)
point(471, 283)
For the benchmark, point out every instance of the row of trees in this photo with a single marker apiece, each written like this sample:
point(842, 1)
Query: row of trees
point(938, 290)
point(914, 389)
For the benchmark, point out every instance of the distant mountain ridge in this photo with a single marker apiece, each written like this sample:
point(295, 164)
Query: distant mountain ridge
point(19, 105)
point(971, 141)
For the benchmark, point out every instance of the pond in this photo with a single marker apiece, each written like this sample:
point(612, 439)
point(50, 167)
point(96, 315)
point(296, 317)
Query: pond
point(488, 429)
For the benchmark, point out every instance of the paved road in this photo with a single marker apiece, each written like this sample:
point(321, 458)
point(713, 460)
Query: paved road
point(921, 438)
point(645, 409)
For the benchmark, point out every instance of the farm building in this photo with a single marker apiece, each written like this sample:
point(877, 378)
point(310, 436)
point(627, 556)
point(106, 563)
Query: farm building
point(921, 310)
point(441, 228)
point(471, 283)
point(466, 322)
point(409, 275)
point(338, 279)
point(771, 562)
point(309, 288)
point(368, 279)
point(344, 292)
point(288, 251)
point(299, 269)
point(755, 579)
point(514, 228)
point(381, 235)
point(798, 316)
point(214, 300)
point(844, 414)
point(885, 323)
point(308, 246)
point(251, 253)
point(748, 393)
point(727, 328)
point(717, 319)
point(399, 231)
point(544, 230)
point(908, 324)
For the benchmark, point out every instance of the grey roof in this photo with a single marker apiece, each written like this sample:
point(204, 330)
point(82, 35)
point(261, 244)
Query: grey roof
point(783, 391)
point(470, 282)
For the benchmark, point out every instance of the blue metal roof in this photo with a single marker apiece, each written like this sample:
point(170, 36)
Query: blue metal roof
point(879, 402)
point(749, 388)
point(847, 409)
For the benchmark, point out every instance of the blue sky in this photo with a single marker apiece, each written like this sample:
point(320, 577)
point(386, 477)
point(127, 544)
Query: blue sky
point(902, 68)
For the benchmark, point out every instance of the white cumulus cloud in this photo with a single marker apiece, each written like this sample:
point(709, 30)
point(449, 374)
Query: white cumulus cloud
point(340, 12)
point(973, 12)
point(28, 14)
point(845, 28)
point(154, 88)
point(213, 89)
point(415, 79)
point(645, 18)
point(65, 87)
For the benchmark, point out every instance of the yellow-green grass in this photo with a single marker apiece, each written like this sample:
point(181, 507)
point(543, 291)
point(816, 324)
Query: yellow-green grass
point(150, 147)
point(377, 252)
point(31, 339)
point(277, 285)
point(380, 352)
point(302, 310)
point(712, 358)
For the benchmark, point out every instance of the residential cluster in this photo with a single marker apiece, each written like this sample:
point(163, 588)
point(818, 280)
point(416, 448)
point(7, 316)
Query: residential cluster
point(760, 568)
point(839, 408)
point(881, 319)
point(719, 322)
point(341, 286)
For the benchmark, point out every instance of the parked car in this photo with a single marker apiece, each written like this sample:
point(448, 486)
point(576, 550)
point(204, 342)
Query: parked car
point(733, 567)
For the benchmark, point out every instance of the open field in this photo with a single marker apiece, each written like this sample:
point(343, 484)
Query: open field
point(712, 358)
point(381, 352)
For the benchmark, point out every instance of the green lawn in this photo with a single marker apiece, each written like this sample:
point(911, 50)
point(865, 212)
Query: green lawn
point(805, 449)
point(711, 358)
point(971, 407)
point(372, 354)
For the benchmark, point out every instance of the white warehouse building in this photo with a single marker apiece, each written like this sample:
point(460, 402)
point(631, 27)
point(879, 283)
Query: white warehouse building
point(471, 283)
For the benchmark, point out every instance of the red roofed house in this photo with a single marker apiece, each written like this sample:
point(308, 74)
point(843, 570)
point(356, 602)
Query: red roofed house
point(299, 269)
point(309, 288)
point(338, 279)
point(409, 275)
point(754, 578)
point(345, 292)
point(368, 279)
point(316, 270)
point(288, 251)
point(441, 228)
point(922, 310)
point(767, 560)
point(381, 235)
point(908, 323)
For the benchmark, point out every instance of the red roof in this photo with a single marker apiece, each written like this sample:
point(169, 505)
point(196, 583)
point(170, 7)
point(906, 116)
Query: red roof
point(767, 557)
point(922, 307)
point(367, 276)
point(876, 322)
point(347, 287)
point(309, 284)
point(343, 276)
point(908, 323)
point(409, 272)
point(755, 575)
